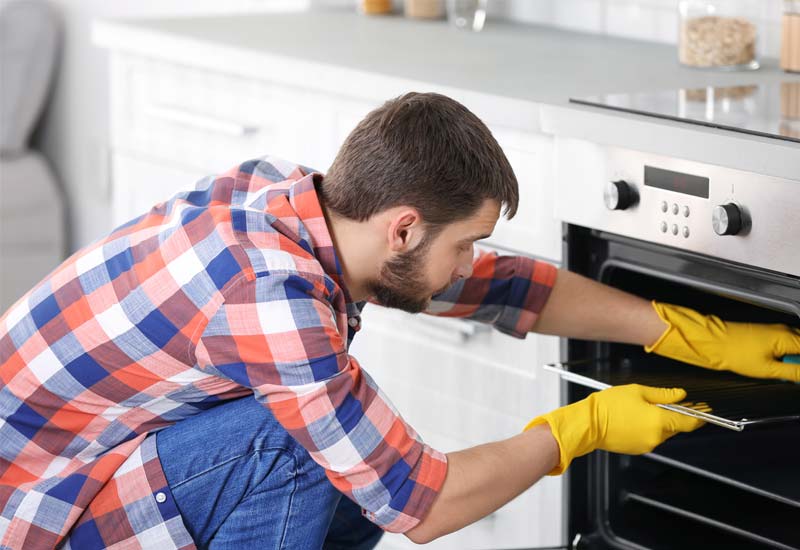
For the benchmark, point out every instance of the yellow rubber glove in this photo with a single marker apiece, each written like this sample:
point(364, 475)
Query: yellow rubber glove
point(744, 348)
point(622, 419)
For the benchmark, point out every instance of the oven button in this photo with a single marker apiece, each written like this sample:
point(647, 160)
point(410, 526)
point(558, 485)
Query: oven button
point(664, 227)
point(664, 206)
point(685, 232)
point(726, 219)
point(685, 211)
point(619, 195)
point(674, 229)
point(675, 209)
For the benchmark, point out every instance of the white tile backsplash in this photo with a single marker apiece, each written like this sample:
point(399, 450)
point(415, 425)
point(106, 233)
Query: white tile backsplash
point(580, 15)
point(666, 29)
point(652, 20)
point(631, 20)
point(770, 42)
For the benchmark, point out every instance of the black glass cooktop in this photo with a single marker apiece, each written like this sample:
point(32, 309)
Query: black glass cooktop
point(771, 110)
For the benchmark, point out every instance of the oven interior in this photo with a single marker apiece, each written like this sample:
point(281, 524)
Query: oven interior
point(714, 488)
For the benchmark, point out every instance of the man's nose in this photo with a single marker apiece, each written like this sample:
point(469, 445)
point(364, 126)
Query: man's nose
point(464, 271)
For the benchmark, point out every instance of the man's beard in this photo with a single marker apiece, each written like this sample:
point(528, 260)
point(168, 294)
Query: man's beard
point(402, 283)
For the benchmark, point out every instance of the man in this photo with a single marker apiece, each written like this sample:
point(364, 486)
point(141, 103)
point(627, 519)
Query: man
point(185, 381)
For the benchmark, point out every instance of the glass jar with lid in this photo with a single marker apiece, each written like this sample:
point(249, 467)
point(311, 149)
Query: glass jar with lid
point(790, 36)
point(374, 7)
point(719, 34)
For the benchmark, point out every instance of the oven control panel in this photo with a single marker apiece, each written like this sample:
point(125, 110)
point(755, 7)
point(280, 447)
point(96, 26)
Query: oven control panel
point(726, 213)
point(726, 219)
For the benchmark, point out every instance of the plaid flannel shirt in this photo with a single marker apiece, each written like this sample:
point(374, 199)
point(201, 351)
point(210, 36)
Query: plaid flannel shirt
point(229, 290)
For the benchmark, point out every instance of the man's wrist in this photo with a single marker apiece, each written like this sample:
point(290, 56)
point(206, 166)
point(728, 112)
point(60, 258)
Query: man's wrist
point(541, 436)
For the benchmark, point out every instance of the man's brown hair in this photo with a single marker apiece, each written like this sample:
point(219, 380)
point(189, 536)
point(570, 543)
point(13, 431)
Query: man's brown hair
point(421, 150)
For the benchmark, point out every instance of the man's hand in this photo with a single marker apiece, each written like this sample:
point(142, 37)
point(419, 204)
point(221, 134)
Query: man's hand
point(744, 348)
point(623, 419)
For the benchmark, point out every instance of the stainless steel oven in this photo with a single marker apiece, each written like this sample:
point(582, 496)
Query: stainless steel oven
point(718, 240)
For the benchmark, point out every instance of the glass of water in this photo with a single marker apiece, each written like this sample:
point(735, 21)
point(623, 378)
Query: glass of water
point(467, 14)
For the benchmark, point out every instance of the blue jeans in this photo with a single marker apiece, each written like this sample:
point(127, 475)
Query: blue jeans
point(241, 481)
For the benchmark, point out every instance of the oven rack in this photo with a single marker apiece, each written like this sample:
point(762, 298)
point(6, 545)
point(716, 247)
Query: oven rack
point(717, 512)
point(735, 402)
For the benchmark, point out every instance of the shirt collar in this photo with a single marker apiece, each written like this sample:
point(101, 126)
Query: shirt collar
point(304, 200)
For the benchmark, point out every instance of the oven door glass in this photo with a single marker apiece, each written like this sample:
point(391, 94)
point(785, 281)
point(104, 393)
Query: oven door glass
point(712, 488)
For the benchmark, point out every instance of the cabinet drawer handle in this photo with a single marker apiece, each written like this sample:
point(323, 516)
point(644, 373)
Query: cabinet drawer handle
point(464, 327)
point(200, 121)
point(469, 329)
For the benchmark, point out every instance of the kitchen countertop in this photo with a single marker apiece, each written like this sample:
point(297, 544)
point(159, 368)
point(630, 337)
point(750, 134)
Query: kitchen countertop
point(527, 73)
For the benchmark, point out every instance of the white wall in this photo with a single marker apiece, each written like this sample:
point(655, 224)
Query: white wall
point(74, 135)
point(653, 20)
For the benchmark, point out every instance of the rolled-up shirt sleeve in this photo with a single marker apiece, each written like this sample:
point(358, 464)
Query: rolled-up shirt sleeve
point(278, 335)
point(507, 291)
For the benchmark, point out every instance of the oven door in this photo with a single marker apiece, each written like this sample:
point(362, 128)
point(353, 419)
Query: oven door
point(713, 488)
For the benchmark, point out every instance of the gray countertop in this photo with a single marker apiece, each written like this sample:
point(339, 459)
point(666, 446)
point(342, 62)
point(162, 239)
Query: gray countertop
point(531, 63)
point(526, 62)
point(535, 69)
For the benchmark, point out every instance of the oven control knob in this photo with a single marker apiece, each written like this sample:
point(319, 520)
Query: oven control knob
point(727, 219)
point(619, 195)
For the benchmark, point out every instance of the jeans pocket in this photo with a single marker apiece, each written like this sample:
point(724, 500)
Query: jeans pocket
point(240, 499)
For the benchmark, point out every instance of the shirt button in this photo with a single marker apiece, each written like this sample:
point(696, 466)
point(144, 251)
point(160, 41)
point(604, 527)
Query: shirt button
point(161, 497)
point(353, 322)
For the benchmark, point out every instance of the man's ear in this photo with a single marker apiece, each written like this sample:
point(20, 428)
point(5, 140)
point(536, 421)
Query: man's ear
point(405, 229)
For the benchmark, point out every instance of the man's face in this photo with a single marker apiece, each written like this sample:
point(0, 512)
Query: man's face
point(409, 280)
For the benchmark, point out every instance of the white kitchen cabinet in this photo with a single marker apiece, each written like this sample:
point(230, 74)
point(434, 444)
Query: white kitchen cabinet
point(347, 113)
point(175, 115)
point(535, 229)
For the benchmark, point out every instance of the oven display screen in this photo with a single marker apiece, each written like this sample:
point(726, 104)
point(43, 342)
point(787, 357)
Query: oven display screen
point(676, 181)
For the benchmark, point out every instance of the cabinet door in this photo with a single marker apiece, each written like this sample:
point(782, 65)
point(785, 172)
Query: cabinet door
point(461, 385)
point(213, 120)
point(346, 113)
point(534, 230)
point(140, 183)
